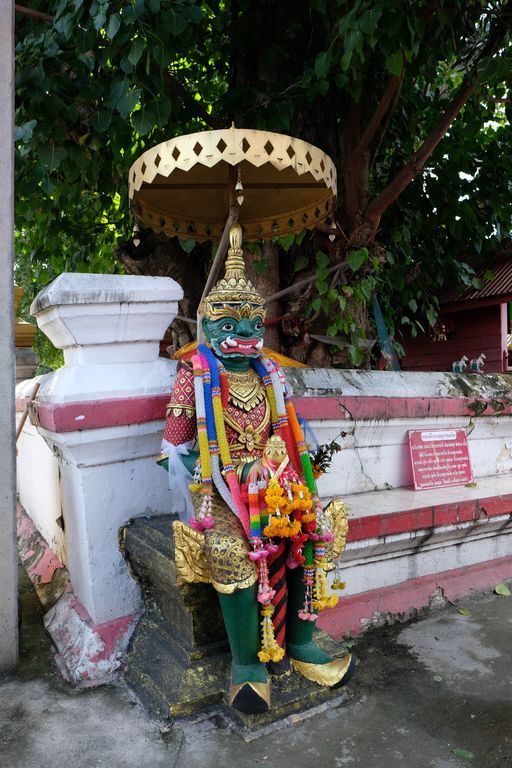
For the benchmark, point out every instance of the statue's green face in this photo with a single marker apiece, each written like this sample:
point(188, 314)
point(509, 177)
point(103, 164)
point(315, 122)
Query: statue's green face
point(234, 338)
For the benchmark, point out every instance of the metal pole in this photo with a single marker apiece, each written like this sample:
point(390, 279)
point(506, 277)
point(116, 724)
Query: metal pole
point(8, 554)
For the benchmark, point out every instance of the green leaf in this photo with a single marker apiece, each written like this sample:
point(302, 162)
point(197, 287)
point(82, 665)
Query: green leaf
point(464, 612)
point(356, 259)
point(322, 260)
point(118, 90)
point(370, 21)
point(113, 25)
point(322, 87)
point(101, 120)
point(355, 355)
point(154, 6)
point(187, 245)
point(413, 305)
point(300, 262)
point(52, 156)
point(143, 121)
point(65, 25)
point(287, 241)
point(502, 589)
point(465, 754)
point(24, 132)
point(341, 80)
point(179, 23)
point(136, 51)
point(345, 61)
point(260, 266)
point(438, 678)
point(322, 64)
point(99, 16)
point(394, 63)
point(431, 315)
point(128, 102)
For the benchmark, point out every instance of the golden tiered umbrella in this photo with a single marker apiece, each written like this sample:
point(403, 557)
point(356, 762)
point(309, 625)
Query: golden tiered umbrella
point(193, 186)
point(186, 186)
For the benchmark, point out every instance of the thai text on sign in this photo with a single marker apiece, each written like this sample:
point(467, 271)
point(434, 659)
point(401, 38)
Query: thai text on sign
point(440, 457)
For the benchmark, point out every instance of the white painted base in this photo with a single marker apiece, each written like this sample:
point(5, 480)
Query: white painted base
point(107, 477)
point(375, 563)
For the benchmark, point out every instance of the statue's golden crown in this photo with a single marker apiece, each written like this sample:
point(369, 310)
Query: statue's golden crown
point(234, 295)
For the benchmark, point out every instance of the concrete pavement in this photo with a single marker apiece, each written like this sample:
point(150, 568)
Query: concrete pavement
point(435, 693)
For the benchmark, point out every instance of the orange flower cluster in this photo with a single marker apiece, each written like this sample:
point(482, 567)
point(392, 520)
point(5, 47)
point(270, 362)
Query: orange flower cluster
point(276, 500)
point(301, 498)
point(281, 506)
point(282, 527)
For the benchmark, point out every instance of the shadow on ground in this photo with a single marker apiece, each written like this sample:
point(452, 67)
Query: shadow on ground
point(435, 693)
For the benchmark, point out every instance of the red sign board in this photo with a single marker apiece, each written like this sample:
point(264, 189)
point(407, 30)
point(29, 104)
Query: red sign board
point(440, 457)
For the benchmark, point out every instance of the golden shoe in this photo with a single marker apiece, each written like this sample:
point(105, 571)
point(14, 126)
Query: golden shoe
point(331, 675)
point(251, 698)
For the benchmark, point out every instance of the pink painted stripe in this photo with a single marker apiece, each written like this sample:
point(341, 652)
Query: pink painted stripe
point(117, 411)
point(95, 414)
point(355, 612)
point(21, 404)
point(374, 526)
point(357, 407)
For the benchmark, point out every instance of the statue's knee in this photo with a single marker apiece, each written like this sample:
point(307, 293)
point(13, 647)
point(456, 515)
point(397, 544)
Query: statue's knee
point(226, 552)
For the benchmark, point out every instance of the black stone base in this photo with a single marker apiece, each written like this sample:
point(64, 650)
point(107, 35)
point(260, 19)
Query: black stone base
point(178, 660)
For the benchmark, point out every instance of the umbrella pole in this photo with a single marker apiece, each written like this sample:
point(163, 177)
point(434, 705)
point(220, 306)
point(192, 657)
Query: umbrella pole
point(219, 258)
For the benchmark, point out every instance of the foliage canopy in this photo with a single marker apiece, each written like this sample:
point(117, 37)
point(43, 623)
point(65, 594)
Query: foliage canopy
point(411, 99)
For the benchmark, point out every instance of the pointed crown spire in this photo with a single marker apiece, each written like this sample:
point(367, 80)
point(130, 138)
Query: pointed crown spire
point(234, 295)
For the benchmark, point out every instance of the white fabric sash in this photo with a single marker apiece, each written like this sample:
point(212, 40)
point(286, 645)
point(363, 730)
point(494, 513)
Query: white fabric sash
point(179, 479)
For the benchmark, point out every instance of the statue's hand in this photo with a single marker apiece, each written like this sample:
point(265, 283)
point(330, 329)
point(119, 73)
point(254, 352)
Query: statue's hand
point(190, 460)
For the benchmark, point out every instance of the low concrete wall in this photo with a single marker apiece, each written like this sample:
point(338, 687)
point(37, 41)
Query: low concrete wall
point(86, 463)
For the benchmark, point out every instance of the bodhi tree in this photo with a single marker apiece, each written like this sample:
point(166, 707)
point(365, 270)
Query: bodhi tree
point(410, 99)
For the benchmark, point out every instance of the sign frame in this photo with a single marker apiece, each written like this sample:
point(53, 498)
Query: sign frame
point(439, 458)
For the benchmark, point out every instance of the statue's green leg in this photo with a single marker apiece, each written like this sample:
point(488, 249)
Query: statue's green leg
point(299, 633)
point(249, 687)
point(307, 658)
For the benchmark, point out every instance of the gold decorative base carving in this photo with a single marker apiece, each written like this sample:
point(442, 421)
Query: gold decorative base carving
point(250, 698)
point(328, 675)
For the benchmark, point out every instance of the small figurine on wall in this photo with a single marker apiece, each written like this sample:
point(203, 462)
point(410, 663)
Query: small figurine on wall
point(459, 366)
point(476, 365)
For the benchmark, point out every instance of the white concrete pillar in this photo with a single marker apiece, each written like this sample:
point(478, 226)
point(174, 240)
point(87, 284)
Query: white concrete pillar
point(8, 555)
point(93, 413)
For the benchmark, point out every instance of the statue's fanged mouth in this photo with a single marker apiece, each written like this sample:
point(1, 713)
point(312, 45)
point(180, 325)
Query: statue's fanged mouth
point(241, 346)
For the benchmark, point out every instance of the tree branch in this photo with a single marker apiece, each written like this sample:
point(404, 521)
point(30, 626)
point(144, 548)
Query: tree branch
point(36, 14)
point(188, 100)
point(357, 147)
point(387, 97)
point(417, 161)
point(352, 162)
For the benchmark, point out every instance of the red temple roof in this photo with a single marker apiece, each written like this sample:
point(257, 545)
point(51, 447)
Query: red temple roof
point(497, 290)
